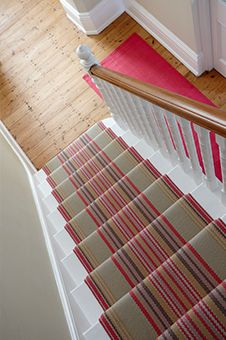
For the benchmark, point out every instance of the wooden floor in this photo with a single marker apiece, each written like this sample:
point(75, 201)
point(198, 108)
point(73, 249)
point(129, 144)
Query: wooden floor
point(44, 103)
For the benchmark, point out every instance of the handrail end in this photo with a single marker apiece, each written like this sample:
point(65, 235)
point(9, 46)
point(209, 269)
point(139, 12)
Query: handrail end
point(86, 56)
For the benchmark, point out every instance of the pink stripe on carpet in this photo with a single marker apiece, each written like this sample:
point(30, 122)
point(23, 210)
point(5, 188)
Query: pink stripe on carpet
point(137, 59)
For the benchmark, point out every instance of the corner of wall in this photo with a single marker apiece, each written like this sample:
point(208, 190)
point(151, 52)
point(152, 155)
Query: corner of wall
point(195, 61)
point(98, 18)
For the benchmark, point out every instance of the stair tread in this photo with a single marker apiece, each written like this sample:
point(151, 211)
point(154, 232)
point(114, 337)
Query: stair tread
point(128, 222)
point(109, 203)
point(147, 250)
point(111, 162)
point(81, 157)
point(74, 147)
point(211, 304)
point(171, 290)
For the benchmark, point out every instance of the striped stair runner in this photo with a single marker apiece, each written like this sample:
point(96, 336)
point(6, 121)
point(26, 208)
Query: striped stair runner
point(172, 290)
point(144, 244)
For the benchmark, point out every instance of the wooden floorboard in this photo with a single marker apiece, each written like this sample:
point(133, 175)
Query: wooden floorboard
point(44, 102)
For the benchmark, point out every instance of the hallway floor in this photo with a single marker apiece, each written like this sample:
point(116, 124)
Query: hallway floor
point(44, 102)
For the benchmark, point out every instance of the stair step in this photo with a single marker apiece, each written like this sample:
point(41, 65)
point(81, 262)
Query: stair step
point(56, 220)
point(44, 188)
point(185, 271)
point(50, 203)
point(74, 267)
point(209, 200)
point(64, 243)
point(96, 332)
point(67, 187)
point(87, 303)
point(40, 177)
point(74, 148)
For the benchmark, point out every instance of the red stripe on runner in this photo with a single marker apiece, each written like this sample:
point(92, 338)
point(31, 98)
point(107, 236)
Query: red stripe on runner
point(71, 232)
point(57, 196)
point(118, 265)
point(92, 286)
point(71, 178)
point(101, 125)
point(93, 217)
point(198, 207)
point(136, 154)
point(51, 182)
point(146, 314)
point(83, 259)
point(64, 213)
point(105, 241)
point(108, 327)
point(203, 262)
point(46, 170)
point(173, 186)
point(152, 168)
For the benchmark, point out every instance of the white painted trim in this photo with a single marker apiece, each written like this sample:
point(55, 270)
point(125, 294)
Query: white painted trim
point(203, 33)
point(30, 171)
point(98, 18)
point(191, 59)
point(218, 16)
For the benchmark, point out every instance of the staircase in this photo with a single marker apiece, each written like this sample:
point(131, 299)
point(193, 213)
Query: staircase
point(136, 229)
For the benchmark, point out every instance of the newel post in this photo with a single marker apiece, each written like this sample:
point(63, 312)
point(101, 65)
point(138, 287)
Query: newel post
point(87, 58)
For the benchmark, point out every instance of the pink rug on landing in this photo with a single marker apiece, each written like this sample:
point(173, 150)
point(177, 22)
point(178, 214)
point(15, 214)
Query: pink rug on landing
point(137, 59)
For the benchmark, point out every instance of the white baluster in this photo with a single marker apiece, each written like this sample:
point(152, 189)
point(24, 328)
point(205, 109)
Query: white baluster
point(160, 118)
point(112, 104)
point(192, 152)
point(207, 157)
point(153, 125)
point(222, 145)
point(125, 110)
point(136, 114)
point(177, 140)
point(145, 122)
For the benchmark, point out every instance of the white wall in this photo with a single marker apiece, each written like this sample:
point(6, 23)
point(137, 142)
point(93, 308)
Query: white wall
point(176, 15)
point(30, 307)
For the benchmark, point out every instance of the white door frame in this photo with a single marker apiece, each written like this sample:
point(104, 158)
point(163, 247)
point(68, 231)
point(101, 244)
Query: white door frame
point(201, 10)
point(218, 16)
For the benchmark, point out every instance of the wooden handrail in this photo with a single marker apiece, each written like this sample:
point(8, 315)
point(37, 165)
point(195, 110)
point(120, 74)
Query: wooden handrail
point(206, 116)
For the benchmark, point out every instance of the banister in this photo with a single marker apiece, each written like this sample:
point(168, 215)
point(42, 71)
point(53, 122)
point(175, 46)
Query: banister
point(206, 116)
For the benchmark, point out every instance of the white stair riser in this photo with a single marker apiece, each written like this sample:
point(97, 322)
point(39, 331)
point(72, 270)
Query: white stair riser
point(87, 302)
point(75, 268)
point(96, 332)
point(64, 243)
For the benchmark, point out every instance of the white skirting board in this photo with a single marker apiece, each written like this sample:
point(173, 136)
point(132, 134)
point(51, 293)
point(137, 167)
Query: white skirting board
point(191, 59)
point(97, 19)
